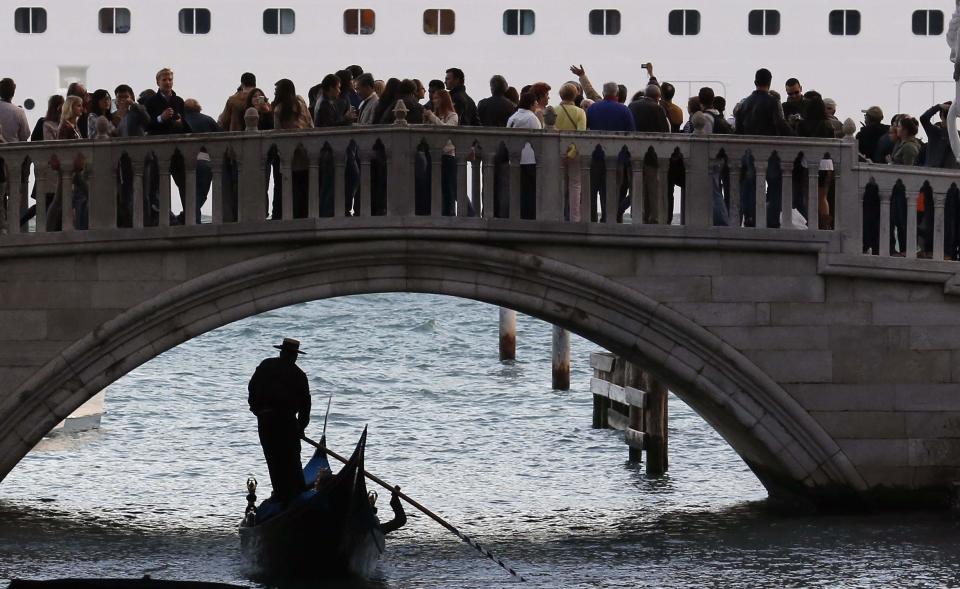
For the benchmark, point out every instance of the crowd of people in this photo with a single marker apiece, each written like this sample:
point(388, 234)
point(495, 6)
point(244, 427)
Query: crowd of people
point(353, 97)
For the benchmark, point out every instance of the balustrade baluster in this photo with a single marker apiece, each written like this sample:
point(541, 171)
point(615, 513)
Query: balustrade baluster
point(588, 198)
point(611, 198)
point(514, 207)
point(190, 212)
point(760, 212)
point(137, 207)
point(488, 169)
point(463, 199)
point(164, 193)
point(339, 192)
point(912, 222)
point(13, 203)
point(476, 194)
point(286, 188)
point(786, 197)
point(313, 191)
point(102, 197)
point(636, 192)
point(216, 191)
point(734, 193)
point(66, 190)
point(939, 202)
point(365, 196)
point(813, 194)
point(885, 197)
point(664, 193)
point(848, 218)
point(436, 182)
point(44, 185)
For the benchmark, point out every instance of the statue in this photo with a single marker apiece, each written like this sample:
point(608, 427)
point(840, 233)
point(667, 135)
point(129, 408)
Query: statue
point(953, 39)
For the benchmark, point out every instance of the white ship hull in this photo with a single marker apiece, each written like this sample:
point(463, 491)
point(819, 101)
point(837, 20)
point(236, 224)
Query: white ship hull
point(885, 64)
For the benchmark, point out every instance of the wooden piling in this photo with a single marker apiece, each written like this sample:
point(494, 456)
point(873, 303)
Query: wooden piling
point(508, 334)
point(561, 359)
point(656, 427)
point(634, 436)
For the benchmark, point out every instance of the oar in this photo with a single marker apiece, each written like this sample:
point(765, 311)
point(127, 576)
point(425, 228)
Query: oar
point(424, 510)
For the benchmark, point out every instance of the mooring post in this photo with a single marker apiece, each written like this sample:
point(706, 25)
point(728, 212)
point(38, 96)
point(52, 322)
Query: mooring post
point(656, 418)
point(561, 359)
point(633, 378)
point(508, 334)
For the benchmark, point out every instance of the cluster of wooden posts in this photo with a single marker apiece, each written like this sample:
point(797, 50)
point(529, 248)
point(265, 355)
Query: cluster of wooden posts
point(625, 398)
point(628, 399)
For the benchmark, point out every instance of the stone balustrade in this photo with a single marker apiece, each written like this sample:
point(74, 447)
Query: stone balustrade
point(386, 159)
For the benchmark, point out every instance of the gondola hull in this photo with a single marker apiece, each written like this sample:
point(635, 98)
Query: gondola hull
point(328, 530)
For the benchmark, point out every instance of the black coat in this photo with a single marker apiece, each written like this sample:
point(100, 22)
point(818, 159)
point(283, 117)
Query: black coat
point(649, 116)
point(155, 107)
point(280, 388)
point(759, 114)
point(329, 114)
point(868, 139)
point(465, 106)
point(939, 152)
point(494, 111)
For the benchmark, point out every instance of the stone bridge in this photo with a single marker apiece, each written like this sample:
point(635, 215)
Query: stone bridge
point(834, 374)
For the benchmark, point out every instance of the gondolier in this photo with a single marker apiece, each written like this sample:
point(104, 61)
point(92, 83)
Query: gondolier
point(280, 398)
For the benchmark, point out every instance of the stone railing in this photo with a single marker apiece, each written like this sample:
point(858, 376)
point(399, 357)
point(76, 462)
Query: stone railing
point(126, 183)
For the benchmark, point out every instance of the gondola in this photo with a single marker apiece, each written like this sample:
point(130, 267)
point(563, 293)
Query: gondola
point(330, 529)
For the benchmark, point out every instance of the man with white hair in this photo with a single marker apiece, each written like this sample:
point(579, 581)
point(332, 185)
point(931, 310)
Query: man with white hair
point(608, 114)
point(837, 124)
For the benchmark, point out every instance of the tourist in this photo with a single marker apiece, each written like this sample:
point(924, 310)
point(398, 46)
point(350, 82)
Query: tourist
point(290, 111)
point(760, 113)
point(608, 114)
point(526, 118)
point(939, 154)
point(378, 87)
point(368, 99)
point(165, 107)
point(888, 142)
point(831, 106)
point(13, 119)
point(407, 92)
point(466, 107)
point(542, 91)
point(279, 395)
point(257, 100)
point(792, 108)
point(585, 85)
point(100, 104)
point(70, 117)
point(813, 121)
point(693, 107)
point(907, 150)
point(231, 119)
point(123, 98)
point(708, 105)
point(387, 102)
point(347, 93)
point(432, 87)
point(79, 90)
point(496, 109)
point(513, 95)
point(674, 112)
point(444, 114)
point(648, 115)
point(570, 117)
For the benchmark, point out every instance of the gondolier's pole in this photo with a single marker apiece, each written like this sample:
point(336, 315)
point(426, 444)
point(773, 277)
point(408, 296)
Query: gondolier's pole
point(423, 510)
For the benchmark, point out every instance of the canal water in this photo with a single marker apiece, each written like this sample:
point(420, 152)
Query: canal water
point(159, 489)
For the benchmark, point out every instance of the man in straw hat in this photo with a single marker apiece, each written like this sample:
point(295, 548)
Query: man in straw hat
point(280, 398)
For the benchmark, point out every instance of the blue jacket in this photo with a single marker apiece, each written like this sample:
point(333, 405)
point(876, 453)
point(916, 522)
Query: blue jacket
point(610, 115)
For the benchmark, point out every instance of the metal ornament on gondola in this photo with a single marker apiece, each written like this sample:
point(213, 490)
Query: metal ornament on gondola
point(953, 40)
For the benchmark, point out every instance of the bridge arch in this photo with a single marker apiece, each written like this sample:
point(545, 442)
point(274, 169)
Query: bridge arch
point(787, 449)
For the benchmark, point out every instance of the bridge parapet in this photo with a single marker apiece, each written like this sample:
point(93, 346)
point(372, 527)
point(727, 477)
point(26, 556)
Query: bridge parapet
point(475, 172)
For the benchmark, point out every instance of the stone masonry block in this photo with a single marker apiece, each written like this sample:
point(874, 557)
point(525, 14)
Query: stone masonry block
point(45, 295)
point(875, 452)
point(673, 289)
point(844, 397)
point(886, 292)
point(928, 397)
point(786, 366)
point(893, 366)
point(51, 268)
point(938, 453)
point(862, 424)
point(125, 294)
point(22, 325)
point(788, 289)
point(820, 313)
point(932, 424)
point(714, 314)
point(766, 264)
point(147, 266)
point(911, 314)
point(72, 324)
point(934, 337)
point(855, 338)
point(774, 338)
